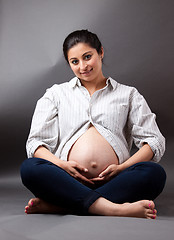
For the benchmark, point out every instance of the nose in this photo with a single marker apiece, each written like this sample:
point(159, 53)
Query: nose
point(83, 65)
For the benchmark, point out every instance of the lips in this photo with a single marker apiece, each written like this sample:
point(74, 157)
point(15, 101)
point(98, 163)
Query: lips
point(86, 72)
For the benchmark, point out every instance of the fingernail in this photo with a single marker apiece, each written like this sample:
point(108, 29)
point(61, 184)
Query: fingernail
point(153, 211)
point(32, 203)
point(100, 175)
point(86, 170)
point(154, 217)
point(149, 205)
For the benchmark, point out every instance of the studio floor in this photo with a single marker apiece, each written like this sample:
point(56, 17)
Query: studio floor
point(16, 225)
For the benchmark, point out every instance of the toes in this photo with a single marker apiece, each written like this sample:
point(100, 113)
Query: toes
point(151, 205)
point(151, 213)
point(154, 211)
point(31, 202)
point(151, 216)
point(26, 209)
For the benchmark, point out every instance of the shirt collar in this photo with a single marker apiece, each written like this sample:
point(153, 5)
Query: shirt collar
point(73, 82)
point(76, 82)
point(112, 82)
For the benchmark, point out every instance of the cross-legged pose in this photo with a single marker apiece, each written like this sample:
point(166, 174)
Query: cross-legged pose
point(79, 144)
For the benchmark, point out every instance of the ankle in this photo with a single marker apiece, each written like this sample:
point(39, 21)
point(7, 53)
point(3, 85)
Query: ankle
point(104, 207)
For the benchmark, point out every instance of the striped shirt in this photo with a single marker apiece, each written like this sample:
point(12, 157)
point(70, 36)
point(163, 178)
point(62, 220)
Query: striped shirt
point(118, 112)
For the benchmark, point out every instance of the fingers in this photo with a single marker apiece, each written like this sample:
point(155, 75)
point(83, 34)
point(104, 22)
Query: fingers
point(83, 169)
point(105, 172)
point(74, 173)
point(97, 179)
point(78, 166)
point(109, 171)
point(105, 175)
point(74, 169)
point(86, 179)
point(83, 178)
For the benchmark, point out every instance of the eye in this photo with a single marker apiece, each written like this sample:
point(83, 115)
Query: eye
point(88, 56)
point(75, 62)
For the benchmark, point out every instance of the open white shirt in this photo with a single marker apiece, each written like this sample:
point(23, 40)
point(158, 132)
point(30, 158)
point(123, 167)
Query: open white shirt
point(118, 112)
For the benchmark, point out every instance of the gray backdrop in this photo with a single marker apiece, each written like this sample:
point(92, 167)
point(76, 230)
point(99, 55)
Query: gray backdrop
point(137, 36)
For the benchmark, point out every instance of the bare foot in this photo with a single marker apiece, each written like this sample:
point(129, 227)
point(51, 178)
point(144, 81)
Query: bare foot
point(37, 205)
point(140, 209)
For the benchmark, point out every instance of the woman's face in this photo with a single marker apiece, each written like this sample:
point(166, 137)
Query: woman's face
point(85, 62)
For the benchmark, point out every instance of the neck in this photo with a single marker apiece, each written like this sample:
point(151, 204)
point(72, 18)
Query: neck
point(94, 85)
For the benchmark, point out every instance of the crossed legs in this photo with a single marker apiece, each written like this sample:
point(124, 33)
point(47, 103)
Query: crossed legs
point(57, 192)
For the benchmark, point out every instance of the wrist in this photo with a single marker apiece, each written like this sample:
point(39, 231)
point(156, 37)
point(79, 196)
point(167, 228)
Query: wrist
point(121, 167)
point(60, 163)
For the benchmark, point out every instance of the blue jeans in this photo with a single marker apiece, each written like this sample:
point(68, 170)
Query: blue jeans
point(144, 180)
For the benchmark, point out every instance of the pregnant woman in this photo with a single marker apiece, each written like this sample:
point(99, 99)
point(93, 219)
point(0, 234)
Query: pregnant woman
point(80, 140)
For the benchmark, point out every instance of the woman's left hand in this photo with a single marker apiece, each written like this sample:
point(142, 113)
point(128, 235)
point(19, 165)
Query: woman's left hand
point(111, 171)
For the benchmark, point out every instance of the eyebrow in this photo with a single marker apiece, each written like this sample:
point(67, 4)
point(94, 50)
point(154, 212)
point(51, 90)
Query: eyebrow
point(82, 55)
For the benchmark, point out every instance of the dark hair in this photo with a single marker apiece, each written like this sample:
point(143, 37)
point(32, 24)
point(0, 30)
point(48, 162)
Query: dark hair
point(81, 36)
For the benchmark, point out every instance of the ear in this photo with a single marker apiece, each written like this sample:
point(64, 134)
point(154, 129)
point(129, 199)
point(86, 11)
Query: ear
point(102, 52)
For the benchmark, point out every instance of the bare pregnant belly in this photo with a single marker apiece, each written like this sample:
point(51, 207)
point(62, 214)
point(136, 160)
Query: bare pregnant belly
point(93, 152)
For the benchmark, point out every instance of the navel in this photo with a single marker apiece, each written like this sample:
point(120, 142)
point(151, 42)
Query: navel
point(93, 164)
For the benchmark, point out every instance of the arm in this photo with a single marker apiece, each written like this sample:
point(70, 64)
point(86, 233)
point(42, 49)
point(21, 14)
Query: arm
point(44, 153)
point(44, 136)
point(146, 136)
point(143, 126)
point(144, 154)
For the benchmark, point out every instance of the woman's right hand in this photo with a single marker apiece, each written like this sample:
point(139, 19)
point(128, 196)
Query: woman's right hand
point(75, 169)
point(71, 167)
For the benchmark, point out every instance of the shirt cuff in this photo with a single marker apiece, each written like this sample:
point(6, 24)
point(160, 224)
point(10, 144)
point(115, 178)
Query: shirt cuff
point(158, 148)
point(32, 148)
